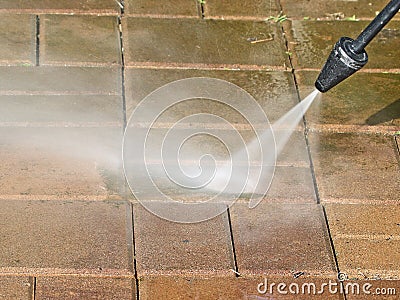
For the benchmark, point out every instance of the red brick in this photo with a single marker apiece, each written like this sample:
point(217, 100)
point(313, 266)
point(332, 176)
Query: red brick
point(85, 288)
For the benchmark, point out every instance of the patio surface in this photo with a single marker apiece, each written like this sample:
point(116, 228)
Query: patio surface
point(71, 74)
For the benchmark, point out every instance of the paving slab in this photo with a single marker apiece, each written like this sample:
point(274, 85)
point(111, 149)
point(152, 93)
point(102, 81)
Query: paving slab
point(65, 237)
point(325, 9)
point(363, 99)
point(61, 109)
point(61, 163)
point(189, 287)
point(260, 9)
point(17, 40)
point(85, 288)
point(280, 239)
point(353, 167)
point(368, 258)
point(203, 43)
point(274, 91)
point(362, 234)
point(181, 8)
point(79, 40)
point(363, 220)
point(71, 6)
point(312, 41)
point(60, 80)
point(16, 288)
point(164, 247)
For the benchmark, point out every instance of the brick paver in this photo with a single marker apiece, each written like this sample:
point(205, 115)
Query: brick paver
point(259, 9)
point(79, 40)
point(13, 287)
point(180, 8)
point(188, 42)
point(85, 288)
point(274, 91)
point(60, 80)
point(18, 40)
point(70, 6)
point(369, 160)
point(281, 238)
point(65, 237)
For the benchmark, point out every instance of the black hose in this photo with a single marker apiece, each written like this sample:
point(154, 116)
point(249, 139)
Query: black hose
point(375, 26)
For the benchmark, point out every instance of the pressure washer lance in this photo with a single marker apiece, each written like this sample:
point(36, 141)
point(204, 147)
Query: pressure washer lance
point(348, 55)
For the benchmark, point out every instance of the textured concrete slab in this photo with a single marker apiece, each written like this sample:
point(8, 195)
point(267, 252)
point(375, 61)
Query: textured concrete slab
point(368, 257)
point(312, 41)
point(379, 105)
point(61, 109)
point(16, 288)
point(355, 167)
point(189, 287)
point(71, 6)
point(60, 80)
point(365, 239)
point(85, 288)
point(260, 9)
point(79, 40)
point(65, 236)
point(164, 247)
point(61, 163)
point(17, 39)
point(363, 220)
point(274, 91)
point(281, 238)
point(181, 8)
point(323, 9)
point(203, 43)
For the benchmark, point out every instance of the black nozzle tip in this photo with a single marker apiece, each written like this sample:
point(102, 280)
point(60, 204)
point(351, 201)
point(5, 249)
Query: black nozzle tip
point(342, 63)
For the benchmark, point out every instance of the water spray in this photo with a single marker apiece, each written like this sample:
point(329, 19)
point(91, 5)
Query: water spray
point(348, 55)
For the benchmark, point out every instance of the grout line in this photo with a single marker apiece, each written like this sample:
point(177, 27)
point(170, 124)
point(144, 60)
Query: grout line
point(331, 240)
point(236, 269)
point(33, 288)
point(134, 252)
point(123, 94)
point(37, 50)
point(202, 9)
point(397, 146)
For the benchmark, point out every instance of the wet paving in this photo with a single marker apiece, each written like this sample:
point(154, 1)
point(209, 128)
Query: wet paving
point(73, 72)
